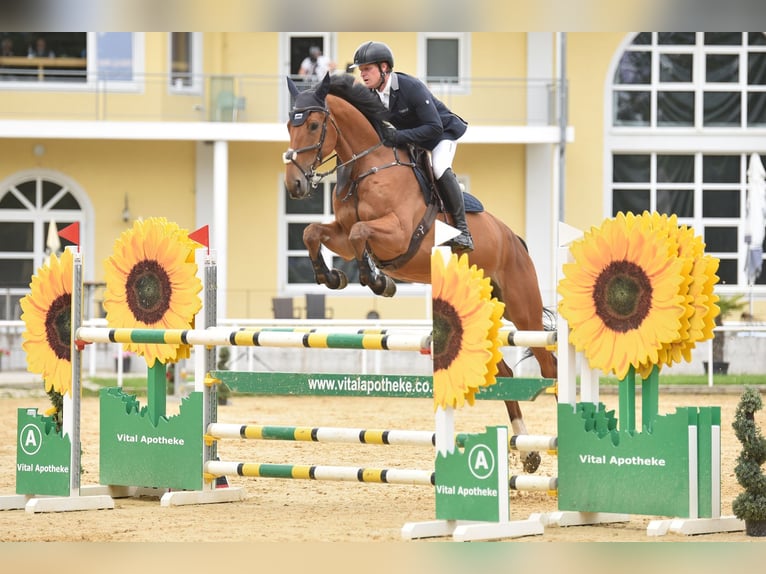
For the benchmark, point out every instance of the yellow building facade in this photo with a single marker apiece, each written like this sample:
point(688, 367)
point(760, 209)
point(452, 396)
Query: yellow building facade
point(191, 126)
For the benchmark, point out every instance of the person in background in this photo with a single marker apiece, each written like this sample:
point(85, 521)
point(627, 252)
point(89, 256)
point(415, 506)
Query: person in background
point(420, 119)
point(40, 49)
point(316, 65)
point(7, 47)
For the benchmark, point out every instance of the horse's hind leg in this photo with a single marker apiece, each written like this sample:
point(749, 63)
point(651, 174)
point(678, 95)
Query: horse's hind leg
point(382, 235)
point(380, 283)
point(530, 460)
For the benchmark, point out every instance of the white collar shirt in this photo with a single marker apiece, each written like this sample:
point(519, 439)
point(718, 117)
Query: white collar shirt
point(385, 94)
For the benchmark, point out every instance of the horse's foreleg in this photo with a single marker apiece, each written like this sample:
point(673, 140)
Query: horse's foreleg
point(332, 235)
point(530, 460)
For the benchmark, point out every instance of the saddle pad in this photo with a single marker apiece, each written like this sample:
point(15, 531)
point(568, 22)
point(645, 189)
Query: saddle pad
point(472, 204)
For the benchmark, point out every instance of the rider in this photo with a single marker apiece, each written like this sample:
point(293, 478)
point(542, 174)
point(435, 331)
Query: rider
point(419, 119)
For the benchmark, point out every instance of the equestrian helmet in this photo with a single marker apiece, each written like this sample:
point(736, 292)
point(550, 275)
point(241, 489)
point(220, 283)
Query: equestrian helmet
point(373, 53)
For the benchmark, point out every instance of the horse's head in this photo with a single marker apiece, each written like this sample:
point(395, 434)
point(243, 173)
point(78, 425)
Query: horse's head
point(310, 142)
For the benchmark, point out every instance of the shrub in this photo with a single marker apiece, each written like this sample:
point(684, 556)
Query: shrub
point(750, 505)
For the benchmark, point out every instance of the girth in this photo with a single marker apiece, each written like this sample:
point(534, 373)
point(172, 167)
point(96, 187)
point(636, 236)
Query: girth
point(432, 209)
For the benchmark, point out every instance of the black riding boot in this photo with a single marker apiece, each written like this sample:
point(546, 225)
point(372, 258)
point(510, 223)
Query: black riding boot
point(453, 201)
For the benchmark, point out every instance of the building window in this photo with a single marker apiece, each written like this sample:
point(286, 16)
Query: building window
point(444, 61)
point(700, 97)
point(27, 208)
point(707, 191)
point(115, 56)
point(186, 62)
point(44, 57)
point(298, 214)
point(660, 75)
point(72, 59)
point(295, 48)
point(300, 47)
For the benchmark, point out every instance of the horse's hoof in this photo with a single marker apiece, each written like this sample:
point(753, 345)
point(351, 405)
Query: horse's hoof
point(337, 279)
point(383, 286)
point(531, 462)
point(390, 288)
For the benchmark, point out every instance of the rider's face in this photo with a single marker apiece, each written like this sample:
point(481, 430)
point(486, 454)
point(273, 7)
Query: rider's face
point(370, 75)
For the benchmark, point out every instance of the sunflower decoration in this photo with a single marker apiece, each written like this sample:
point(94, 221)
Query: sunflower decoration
point(697, 285)
point(626, 294)
point(152, 283)
point(47, 315)
point(466, 322)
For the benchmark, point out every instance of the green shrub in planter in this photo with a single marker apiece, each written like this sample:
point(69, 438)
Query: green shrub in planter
point(750, 505)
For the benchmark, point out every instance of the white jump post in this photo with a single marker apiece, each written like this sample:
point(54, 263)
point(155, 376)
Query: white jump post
point(462, 530)
point(204, 362)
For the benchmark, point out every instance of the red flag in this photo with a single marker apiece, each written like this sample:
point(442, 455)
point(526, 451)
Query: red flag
point(201, 236)
point(71, 233)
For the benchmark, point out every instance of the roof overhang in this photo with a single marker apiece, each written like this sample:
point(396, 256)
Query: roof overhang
point(246, 132)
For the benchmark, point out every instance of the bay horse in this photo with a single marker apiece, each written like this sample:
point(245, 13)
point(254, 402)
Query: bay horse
point(380, 213)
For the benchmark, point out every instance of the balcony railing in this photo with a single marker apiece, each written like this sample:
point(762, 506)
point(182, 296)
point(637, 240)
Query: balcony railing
point(54, 89)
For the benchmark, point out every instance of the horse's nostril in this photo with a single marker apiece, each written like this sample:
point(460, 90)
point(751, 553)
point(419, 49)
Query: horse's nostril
point(294, 188)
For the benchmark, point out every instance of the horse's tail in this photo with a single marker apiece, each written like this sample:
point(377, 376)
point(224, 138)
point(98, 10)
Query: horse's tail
point(550, 319)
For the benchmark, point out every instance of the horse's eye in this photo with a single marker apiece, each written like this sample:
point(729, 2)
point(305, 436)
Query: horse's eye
point(313, 126)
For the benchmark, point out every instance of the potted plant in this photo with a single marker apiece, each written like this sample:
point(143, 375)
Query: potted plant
point(750, 505)
point(727, 304)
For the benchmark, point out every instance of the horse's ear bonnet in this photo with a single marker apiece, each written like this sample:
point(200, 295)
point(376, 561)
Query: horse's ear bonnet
point(307, 101)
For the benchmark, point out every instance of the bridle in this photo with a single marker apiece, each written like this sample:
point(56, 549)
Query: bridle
point(313, 177)
point(297, 118)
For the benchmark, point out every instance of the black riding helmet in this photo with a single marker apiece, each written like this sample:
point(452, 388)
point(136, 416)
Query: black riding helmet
point(373, 53)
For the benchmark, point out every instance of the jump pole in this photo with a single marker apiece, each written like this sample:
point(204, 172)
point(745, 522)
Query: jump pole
point(392, 437)
point(526, 483)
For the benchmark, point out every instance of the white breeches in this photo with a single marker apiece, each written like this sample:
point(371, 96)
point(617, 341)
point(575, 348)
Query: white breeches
point(442, 156)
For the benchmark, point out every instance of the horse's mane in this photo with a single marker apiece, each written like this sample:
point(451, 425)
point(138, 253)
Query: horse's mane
point(344, 86)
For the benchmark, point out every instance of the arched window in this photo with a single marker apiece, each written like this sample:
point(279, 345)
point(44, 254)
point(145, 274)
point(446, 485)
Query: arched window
point(29, 203)
point(685, 111)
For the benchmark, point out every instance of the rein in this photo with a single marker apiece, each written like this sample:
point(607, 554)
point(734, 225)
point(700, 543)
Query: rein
point(355, 182)
point(314, 177)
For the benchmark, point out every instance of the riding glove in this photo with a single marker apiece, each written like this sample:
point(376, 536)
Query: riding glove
point(388, 134)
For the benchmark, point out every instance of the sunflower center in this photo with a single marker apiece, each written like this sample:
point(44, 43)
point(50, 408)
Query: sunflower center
point(58, 326)
point(623, 296)
point(448, 334)
point(148, 291)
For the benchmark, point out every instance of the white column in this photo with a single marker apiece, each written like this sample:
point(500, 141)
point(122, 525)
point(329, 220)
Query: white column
point(219, 230)
point(541, 211)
